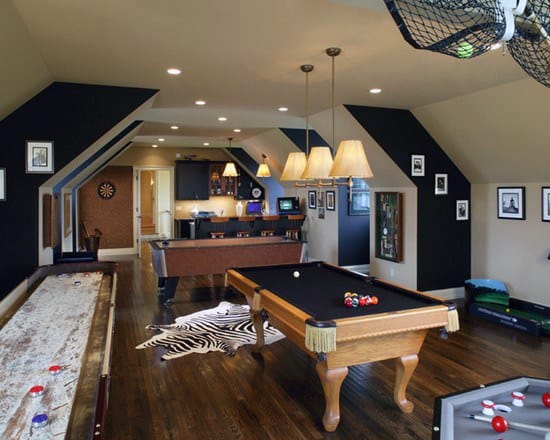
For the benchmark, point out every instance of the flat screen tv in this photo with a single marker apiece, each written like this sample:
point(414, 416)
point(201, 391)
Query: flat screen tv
point(254, 207)
point(288, 205)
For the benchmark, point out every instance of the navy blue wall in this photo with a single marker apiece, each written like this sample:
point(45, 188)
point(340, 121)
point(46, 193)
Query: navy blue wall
point(353, 231)
point(73, 116)
point(444, 247)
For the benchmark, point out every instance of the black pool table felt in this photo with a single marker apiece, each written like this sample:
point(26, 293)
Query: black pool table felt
point(320, 289)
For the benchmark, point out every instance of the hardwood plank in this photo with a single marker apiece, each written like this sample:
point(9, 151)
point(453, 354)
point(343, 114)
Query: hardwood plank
point(278, 395)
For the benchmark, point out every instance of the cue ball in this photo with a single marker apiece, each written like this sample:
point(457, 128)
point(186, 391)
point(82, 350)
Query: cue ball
point(296, 274)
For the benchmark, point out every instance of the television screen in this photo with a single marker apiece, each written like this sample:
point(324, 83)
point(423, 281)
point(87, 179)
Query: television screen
point(254, 208)
point(288, 205)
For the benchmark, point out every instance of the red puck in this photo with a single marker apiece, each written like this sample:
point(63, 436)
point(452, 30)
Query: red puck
point(36, 391)
point(55, 369)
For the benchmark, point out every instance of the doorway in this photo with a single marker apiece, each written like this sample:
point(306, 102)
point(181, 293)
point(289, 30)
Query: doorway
point(154, 203)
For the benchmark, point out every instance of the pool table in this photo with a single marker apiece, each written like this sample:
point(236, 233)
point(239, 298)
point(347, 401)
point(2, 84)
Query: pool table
point(64, 317)
point(451, 412)
point(309, 309)
point(175, 258)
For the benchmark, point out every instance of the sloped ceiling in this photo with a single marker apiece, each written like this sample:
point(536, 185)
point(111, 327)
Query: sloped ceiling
point(243, 58)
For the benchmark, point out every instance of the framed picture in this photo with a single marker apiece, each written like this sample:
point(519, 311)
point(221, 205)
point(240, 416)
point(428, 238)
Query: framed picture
point(389, 235)
point(359, 203)
point(321, 199)
point(417, 165)
point(511, 202)
point(321, 212)
point(545, 192)
point(66, 214)
point(462, 210)
point(2, 184)
point(40, 157)
point(440, 184)
point(331, 204)
point(312, 199)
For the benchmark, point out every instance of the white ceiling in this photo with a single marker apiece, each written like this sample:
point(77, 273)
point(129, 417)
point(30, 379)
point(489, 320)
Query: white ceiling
point(243, 57)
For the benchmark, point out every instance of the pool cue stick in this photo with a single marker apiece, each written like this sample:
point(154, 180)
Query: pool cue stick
point(515, 425)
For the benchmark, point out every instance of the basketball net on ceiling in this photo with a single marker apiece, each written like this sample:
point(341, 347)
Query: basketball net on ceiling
point(468, 28)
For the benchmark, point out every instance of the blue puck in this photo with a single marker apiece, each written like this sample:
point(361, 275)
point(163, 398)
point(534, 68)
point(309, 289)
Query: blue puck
point(39, 420)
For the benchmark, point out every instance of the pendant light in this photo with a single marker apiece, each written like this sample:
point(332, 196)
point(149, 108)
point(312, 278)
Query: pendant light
point(350, 160)
point(296, 161)
point(319, 160)
point(230, 170)
point(263, 169)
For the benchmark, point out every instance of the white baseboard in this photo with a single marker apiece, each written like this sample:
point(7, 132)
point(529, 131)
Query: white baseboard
point(112, 252)
point(448, 294)
point(360, 268)
point(15, 295)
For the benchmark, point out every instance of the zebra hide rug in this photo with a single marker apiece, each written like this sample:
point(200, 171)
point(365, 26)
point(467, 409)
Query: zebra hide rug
point(224, 328)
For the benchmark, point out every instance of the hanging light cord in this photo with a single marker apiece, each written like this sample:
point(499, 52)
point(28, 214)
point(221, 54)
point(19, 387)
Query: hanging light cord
point(333, 145)
point(307, 114)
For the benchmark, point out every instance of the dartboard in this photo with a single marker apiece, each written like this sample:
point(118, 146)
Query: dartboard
point(106, 190)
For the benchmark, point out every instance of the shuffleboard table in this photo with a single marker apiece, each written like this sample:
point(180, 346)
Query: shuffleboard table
point(56, 352)
point(306, 303)
point(173, 259)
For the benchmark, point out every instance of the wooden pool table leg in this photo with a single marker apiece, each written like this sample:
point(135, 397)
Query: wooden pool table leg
point(331, 380)
point(258, 323)
point(404, 369)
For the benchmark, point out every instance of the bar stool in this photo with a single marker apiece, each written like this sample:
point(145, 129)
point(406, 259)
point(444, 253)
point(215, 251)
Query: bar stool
point(271, 221)
point(218, 226)
point(294, 229)
point(245, 225)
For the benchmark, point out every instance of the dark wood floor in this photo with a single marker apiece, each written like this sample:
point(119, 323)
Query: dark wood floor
point(278, 396)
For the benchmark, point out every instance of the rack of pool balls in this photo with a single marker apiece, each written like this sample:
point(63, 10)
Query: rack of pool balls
point(352, 299)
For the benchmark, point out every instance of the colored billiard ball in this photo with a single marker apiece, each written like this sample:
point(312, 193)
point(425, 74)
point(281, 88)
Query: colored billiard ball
point(546, 400)
point(374, 300)
point(296, 274)
point(499, 423)
point(362, 301)
point(348, 302)
point(507, 310)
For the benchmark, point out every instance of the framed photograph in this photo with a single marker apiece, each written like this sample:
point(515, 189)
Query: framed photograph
point(321, 212)
point(359, 203)
point(312, 199)
point(40, 157)
point(462, 210)
point(417, 165)
point(321, 199)
point(331, 203)
point(389, 227)
point(2, 184)
point(511, 202)
point(545, 192)
point(440, 184)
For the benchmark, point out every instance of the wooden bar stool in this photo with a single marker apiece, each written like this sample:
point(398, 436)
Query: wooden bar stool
point(294, 229)
point(218, 226)
point(271, 223)
point(245, 225)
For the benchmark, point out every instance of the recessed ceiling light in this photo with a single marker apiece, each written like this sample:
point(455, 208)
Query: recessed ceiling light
point(206, 144)
point(161, 139)
point(200, 102)
point(154, 145)
point(283, 109)
point(375, 91)
point(174, 127)
point(496, 46)
point(173, 71)
point(222, 119)
point(237, 130)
